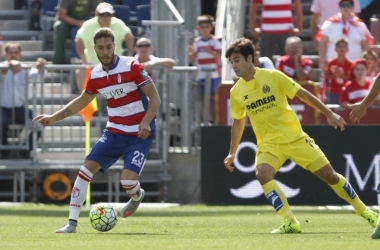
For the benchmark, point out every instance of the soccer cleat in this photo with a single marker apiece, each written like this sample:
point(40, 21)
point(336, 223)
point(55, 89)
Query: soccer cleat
point(370, 216)
point(376, 233)
point(287, 228)
point(67, 228)
point(132, 205)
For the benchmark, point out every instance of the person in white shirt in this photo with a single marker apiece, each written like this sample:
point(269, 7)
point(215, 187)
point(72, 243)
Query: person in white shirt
point(13, 95)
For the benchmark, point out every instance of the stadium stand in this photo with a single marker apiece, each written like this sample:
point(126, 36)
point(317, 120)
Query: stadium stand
point(122, 12)
point(142, 13)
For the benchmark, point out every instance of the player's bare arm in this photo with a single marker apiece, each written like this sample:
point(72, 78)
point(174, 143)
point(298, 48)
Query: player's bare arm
point(359, 109)
point(334, 119)
point(70, 109)
point(236, 133)
point(154, 103)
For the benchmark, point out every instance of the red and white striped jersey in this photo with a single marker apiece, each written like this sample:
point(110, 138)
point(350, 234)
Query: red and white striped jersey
point(276, 16)
point(205, 59)
point(126, 103)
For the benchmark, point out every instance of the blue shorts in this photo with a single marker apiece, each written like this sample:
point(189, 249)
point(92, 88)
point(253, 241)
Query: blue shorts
point(111, 146)
point(214, 84)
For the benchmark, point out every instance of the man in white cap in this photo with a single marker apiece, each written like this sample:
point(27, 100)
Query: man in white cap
point(84, 39)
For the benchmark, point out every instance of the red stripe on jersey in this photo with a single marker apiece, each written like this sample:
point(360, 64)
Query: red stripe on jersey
point(111, 80)
point(114, 130)
point(277, 7)
point(129, 98)
point(277, 31)
point(281, 20)
point(128, 120)
point(207, 61)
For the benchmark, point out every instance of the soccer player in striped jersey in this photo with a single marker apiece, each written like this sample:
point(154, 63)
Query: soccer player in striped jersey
point(262, 95)
point(132, 103)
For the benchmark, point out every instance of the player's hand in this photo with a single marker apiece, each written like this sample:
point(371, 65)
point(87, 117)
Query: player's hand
point(296, 32)
point(357, 112)
point(144, 130)
point(44, 120)
point(336, 120)
point(228, 161)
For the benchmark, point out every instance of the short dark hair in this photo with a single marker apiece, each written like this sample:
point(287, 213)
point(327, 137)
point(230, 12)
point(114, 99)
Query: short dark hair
point(341, 40)
point(12, 44)
point(205, 19)
point(104, 32)
point(351, 1)
point(243, 46)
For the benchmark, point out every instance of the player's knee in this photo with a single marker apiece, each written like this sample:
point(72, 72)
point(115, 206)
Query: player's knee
point(264, 174)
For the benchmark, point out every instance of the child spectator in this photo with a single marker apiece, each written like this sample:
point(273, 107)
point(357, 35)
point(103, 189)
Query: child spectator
point(338, 71)
point(206, 49)
point(355, 90)
point(371, 59)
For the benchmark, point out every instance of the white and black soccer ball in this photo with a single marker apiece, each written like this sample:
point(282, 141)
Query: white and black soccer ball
point(103, 217)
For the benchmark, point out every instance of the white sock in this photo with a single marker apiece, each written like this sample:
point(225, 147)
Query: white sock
point(132, 187)
point(79, 192)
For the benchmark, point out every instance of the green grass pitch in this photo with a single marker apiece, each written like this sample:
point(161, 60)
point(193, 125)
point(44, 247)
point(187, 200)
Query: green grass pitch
point(186, 227)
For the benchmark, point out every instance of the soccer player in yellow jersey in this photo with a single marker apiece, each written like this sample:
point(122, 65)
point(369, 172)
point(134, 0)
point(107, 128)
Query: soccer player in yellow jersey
point(356, 114)
point(262, 94)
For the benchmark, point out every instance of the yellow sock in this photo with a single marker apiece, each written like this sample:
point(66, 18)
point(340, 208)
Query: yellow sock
point(277, 198)
point(344, 190)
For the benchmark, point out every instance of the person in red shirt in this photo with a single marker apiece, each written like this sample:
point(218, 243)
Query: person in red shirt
point(338, 71)
point(371, 59)
point(355, 90)
point(292, 64)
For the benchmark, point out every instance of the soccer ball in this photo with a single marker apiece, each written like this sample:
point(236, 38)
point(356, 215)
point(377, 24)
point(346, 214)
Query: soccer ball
point(103, 217)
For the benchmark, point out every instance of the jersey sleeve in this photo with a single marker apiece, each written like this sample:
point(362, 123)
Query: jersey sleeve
point(140, 75)
point(288, 86)
point(90, 89)
point(237, 112)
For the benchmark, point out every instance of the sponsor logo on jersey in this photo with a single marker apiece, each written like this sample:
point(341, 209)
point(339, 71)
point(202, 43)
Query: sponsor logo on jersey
point(261, 102)
point(116, 93)
point(144, 74)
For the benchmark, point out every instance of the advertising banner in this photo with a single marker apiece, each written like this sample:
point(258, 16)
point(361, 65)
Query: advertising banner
point(354, 153)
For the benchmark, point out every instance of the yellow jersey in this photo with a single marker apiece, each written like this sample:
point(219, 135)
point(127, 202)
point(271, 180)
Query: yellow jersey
point(264, 99)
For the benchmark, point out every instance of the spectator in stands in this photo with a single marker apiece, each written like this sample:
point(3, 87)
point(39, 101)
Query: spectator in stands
point(343, 25)
point(292, 64)
point(371, 59)
point(338, 71)
point(369, 7)
point(144, 55)
point(70, 14)
point(322, 10)
point(13, 87)
point(206, 49)
point(84, 42)
point(355, 90)
point(276, 24)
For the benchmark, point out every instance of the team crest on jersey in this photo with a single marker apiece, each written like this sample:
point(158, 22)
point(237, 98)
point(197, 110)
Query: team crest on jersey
point(266, 89)
point(144, 74)
point(118, 78)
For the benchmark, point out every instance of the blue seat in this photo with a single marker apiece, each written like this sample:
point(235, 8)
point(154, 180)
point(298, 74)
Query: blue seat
point(73, 49)
point(112, 2)
point(142, 13)
point(133, 4)
point(49, 7)
point(122, 12)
